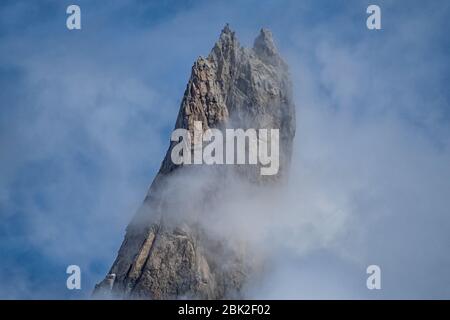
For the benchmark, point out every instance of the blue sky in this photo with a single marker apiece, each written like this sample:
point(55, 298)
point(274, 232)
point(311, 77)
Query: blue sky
point(86, 116)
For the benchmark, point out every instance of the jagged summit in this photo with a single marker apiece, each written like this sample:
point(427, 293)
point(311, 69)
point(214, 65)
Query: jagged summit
point(226, 29)
point(227, 35)
point(264, 43)
point(169, 250)
point(264, 48)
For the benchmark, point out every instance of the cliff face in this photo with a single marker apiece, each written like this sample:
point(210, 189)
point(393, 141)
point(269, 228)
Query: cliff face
point(168, 252)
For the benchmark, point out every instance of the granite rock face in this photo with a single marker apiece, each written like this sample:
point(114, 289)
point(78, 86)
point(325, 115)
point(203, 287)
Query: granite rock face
point(168, 252)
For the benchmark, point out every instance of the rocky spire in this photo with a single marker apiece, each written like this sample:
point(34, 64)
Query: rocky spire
point(168, 252)
point(264, 43)
point(265, 49)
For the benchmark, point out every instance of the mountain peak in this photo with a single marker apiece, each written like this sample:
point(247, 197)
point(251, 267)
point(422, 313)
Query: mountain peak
point(226, 28)
point(264, 43)
point(227, 34)
point(170, 250)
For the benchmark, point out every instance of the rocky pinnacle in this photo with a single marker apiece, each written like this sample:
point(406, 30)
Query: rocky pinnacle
point(168, 252)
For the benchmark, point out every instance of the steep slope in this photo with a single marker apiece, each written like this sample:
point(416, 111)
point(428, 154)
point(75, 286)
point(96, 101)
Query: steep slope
point(168, 252)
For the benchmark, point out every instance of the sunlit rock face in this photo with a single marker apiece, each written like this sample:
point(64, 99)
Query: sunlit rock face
point(170, 250)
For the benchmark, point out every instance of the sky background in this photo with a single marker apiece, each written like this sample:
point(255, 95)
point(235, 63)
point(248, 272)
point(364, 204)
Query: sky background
point(86, 117)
